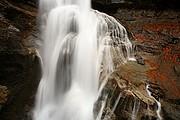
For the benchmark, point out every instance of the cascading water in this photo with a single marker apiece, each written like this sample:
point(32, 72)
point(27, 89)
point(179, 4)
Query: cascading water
point(77, 44)
point(157, 102)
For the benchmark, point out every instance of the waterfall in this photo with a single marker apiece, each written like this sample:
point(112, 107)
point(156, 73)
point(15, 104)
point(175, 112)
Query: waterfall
point(77, 43)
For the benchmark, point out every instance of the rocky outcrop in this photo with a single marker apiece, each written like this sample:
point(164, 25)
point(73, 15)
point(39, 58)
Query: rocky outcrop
point(19, 65)
point(17, 21)
point(127, 94)
point(152, 24)
point(155, 35)
point(157, 41)
point(156, 38)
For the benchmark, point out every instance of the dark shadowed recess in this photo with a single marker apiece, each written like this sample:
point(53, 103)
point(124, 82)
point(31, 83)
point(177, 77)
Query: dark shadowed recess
point(113, 5)
point(21, 74)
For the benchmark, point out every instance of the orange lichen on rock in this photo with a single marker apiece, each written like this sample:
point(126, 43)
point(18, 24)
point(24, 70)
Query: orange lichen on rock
point(160, 26)
point(162, 72)
point(141, 37)
point(152, 72)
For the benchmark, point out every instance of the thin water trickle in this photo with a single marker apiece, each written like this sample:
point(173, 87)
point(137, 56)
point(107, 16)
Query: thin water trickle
point(135, 109)
point(157, 102)
point(77, 43)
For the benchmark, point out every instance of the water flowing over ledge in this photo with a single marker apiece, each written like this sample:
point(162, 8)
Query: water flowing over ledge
point(77, 44)
point(156, 33)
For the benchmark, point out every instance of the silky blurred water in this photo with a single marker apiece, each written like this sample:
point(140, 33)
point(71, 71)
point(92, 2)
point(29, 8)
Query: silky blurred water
point(77, 43)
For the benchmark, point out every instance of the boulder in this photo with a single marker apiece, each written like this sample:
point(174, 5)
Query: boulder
point(126, 95)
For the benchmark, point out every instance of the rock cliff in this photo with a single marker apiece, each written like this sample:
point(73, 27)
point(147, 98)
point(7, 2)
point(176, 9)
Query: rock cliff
point(19, 65)
point(153, 28)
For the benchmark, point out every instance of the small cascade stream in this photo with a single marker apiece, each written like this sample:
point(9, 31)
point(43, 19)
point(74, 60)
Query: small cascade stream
point(157, 102)
point(77, 44)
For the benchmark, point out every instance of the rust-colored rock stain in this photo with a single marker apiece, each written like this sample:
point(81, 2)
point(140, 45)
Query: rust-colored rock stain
point(162, 72)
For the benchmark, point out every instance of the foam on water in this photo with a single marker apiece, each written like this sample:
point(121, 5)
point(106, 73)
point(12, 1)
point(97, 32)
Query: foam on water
point(77, 43)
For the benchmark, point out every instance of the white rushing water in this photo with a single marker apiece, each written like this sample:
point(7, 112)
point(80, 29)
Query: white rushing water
point(157, 102)
point(77, 43)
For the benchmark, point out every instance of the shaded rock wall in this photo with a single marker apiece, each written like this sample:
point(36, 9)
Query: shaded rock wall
point(155, 33)
point(157, 38)
point(113, 5)
point(153, 25)
point(19, 65)
point(20, 74)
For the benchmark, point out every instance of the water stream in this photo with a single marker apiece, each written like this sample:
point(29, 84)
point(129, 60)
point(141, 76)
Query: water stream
point(157, 102)
point(77, 43)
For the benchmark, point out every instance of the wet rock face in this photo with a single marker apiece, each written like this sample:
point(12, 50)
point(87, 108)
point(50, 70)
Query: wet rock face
point(16, 23)
point(19, 65)
point(153, 30)
point(127, 96)
point(155, 33)
point(19, 79)
point(157, 41)
point(156, 36)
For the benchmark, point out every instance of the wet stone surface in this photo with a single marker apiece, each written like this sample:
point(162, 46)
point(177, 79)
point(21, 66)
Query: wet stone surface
point(154, 32)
